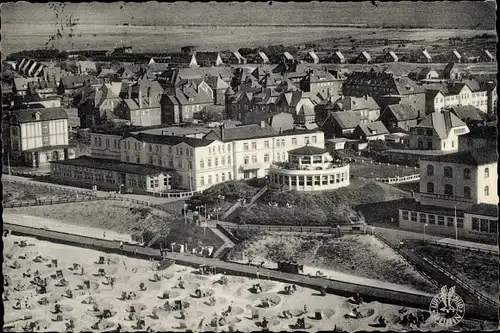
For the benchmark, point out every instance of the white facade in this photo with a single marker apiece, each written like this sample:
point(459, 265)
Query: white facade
point(465, 97)
point(39, 134)
point(105, 146)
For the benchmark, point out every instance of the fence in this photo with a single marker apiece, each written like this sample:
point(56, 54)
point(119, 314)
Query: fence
point(174, 194)
point(472, 290)
point(398, 180)
point(408, 259)
point(473, 249)
point(139, 202)
point(47, 202)
point(286, 228)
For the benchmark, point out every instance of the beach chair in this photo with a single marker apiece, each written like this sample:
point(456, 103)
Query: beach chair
point(59, 274)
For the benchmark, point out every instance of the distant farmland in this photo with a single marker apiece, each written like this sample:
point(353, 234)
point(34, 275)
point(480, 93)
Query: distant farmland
point(22, 36)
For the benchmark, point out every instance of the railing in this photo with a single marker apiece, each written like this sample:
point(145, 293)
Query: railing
point(473, 249)
point(398, 180)
point(56, 201)
point(258, 195)
point(408, 259)
point(464, 285)
point(231, 210)
point(227, 233)
point(285, 228)
point(174, 194)
point(139, 202)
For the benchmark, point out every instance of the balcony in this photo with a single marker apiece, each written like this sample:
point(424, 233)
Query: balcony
point(308, 167)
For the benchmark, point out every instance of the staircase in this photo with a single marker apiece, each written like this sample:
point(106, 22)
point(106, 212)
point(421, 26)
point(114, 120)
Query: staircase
point(258, 195)
point(224, 249)
point(155, 238)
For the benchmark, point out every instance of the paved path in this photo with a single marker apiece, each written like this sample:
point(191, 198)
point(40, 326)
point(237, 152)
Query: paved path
point(337, 287)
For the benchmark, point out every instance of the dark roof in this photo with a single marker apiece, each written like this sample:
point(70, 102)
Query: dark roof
point(115, 165)
point(403, 112)
point(28, 115)
point(412, 205)
point(467, 113)
point(375, 128)
point(483, 209)
point(483, 132)
point(308, 150)
point(480, 156)
point(45, 148)
point(346, 119)
point(246, 132)
point(171, 140)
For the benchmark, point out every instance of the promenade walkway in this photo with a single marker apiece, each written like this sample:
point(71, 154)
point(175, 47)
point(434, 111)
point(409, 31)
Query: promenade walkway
point(398, 297)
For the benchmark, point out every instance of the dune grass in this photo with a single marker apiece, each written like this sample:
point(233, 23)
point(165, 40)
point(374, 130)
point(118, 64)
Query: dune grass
point(359, 255)
point(17, 192)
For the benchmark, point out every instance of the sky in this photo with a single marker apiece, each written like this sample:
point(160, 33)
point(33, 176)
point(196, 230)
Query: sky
point(441, 14)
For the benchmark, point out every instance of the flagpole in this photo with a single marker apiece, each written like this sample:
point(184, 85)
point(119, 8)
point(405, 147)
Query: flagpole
point(456, 226)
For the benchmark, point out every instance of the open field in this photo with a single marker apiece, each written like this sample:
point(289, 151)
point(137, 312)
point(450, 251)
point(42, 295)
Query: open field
point(17, 192)
point(86, 305)
point(359, 255)
point(119, 216)
point(479, 270)
point(22, 36)
point(375, 170)
point(327, 208)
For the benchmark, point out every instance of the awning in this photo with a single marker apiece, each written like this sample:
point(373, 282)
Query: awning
point(253, 166)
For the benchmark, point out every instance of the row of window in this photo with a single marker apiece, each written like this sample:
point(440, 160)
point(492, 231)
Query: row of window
point(448, 190)
point(279, 143)
point(220, 148)
point(484, 225)
point(155, 183)
point(217, 179)
point(223, 161)
point(308, 180)
point(448, 172)
point(449, 221)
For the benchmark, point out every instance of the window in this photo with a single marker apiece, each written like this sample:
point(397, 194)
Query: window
point(217, 178)
point(450, 221)
point(100, 142)
point(127, 157)
point(245, 146)
point(246, 175)
point(210, 180)
point(137, 158)
point(294, 141)
point(486, 190)
point(306, 140)
point(219, 149)
point(229, 160)
point(282, 142)
point(423, 217)
point(209, 163)
point(223, 176)
point(405, 215)
point(466, 173)
point(254, 145)
point(448, 172)
point(314, 139)
point(487, 173)
point(202, 164)
point(266, 158)
point(190, 165)
point(160, 162)
point(440, 220)
point(229, 176)
point(179, 164)
point(202, 181)
point(432, 219)
point(429, 132)
point(181, 151)
point(223, 160)
point(467, 192)
point(150, 148)
point(266, 144)
point(430, 187)
point(475, 224)
point(246, 160)
point(493, 226)
point(216, 161)
point(228, 148)
point(95, 141)
point(430, 170)
point(448, 189)
point(460, 223)
point(151, 159)
point(413, 216)
point(484, 225)
point(277, 143)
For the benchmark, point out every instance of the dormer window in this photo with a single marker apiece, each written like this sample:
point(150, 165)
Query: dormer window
point(37, 115)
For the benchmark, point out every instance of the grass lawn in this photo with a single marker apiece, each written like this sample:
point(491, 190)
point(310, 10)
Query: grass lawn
point(17, 192)
point(359, 255)
point(479, 270)
point(119, 216)
point(322, 208)
point(375, 170)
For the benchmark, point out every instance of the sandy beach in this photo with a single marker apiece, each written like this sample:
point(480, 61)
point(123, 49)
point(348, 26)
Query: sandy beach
point(75, 302)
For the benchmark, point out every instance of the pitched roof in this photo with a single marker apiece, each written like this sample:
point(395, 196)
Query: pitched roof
point(488, 54)
point(350, 103)
point(426, 54)
point(457, 55)
point(375, 128)
point(467, 112)
point(170, 140)
point(483, 209)
point(115, 165)
point(366, 55)
point(28, 115)
point(480, 156)
point(313, 55)
point(288, 56)
point(403, 112)
point(246, 132)
point(308, 151)
point(71, 82)
point(393, 55)
point(339, 55)
point(442, 122)
point(347, 119)
point(263, 56)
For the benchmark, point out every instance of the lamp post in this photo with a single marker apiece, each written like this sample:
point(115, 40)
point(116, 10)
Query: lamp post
point(456, 226)
point(185, 213)
point(425, 225)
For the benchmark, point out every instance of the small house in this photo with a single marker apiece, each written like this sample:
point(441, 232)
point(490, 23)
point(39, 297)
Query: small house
point(237, 59)
point(312, 57)
point(364, 58)
point(486, 56)
point(371, 131)
point(338, 58)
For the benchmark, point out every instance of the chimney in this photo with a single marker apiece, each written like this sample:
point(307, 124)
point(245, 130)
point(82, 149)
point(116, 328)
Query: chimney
point(221, 127)
point(130, 91)
point(140, 97)
point(262, 124)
